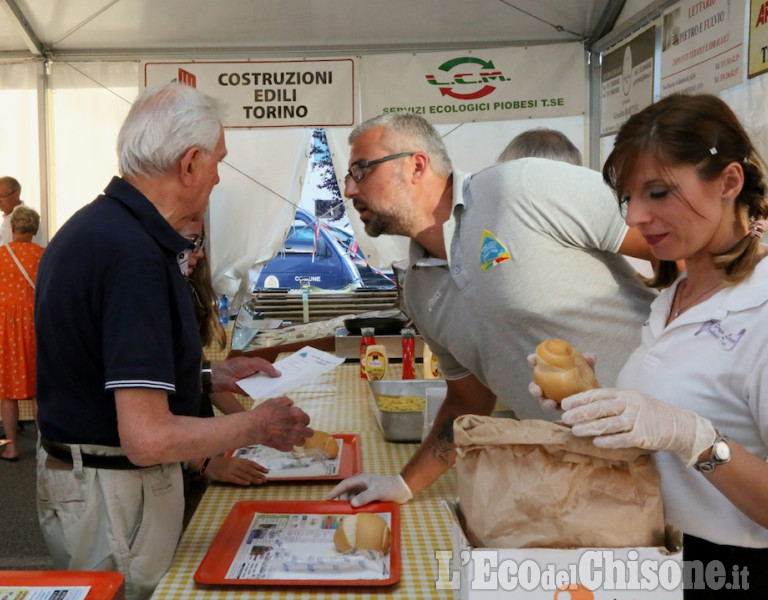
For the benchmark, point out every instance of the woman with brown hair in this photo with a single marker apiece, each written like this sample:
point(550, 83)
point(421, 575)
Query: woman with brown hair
point(696, 390)
point(196, 268)
point(18, 271)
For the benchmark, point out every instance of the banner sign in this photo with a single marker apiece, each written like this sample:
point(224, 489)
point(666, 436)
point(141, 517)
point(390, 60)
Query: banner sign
point(290, 93)
point(702, 46)
point(758, 38)
point(477, 85)
point(626, 85)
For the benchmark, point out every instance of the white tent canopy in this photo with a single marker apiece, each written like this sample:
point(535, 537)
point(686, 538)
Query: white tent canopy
point(69, 70)
point(73, 29)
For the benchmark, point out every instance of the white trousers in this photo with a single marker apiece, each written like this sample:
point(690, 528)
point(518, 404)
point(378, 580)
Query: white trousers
point(128, 521)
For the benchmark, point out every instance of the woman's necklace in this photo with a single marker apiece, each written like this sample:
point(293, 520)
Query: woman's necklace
point(679, 295)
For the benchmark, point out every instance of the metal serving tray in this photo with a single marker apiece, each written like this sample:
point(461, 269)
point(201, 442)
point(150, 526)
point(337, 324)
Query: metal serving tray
point(401, 426)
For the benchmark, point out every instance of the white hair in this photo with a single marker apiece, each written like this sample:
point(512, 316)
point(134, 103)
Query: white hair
point(163, 123)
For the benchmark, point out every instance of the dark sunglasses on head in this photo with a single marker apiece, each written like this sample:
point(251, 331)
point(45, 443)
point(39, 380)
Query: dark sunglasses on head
point(196, 242)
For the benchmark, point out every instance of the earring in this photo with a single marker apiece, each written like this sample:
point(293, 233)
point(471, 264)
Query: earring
point(725, 200)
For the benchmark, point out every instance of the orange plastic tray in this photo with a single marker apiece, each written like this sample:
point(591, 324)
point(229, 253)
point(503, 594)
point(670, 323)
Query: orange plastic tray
point(214, 566)
point(351, 461)
point(105, 585)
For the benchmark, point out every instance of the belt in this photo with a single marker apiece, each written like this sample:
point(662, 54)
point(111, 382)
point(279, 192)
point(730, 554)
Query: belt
point(63, 453)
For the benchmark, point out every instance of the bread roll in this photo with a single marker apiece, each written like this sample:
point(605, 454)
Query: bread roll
point(321, 442)
point(363, 531)
point(561, 370)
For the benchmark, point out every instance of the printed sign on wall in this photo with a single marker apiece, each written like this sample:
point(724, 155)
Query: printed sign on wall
point(702, 46)
point(758, 38)
point(290, 93)
point(626, 81)
point(477, 85)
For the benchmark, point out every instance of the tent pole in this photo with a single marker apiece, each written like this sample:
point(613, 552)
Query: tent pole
point(45, 145)
point(593, 83)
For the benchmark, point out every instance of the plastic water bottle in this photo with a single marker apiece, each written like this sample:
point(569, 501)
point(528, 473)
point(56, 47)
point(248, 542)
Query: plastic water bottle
point(224, 309)
point(305, 299)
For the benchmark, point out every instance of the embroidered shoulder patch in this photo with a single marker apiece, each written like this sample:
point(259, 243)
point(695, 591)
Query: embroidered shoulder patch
point(492, 251)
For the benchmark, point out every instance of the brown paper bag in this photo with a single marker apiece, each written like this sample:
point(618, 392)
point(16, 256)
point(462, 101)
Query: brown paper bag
point(533, 484)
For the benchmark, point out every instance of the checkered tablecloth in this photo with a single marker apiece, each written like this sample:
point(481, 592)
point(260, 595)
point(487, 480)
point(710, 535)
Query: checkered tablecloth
point(338, 403)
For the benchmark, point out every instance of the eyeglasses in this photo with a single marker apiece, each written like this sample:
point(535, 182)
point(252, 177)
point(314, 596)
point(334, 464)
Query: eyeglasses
point(356, 168)
point(196, 242)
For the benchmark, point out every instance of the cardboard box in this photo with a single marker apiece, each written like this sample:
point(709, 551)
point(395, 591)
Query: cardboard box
point(560, 574)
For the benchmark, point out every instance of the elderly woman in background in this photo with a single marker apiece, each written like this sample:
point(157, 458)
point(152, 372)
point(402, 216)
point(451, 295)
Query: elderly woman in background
point(18, 270)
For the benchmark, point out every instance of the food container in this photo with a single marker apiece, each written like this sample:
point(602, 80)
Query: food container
point(382, 325)
point(401, 426)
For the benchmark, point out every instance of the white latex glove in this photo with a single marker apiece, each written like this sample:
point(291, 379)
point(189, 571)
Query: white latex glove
point(631, 419)
point(366, 487)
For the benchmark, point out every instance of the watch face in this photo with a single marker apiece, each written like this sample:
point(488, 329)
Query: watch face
point(721, 451)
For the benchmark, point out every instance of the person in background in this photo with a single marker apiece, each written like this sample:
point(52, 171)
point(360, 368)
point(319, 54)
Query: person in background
point(696, 389)
point(227, 469)
point(500, 260)
point(119, 353)
point(19, 259)
point(542, 143)
point(555, 145)
point(10, 198)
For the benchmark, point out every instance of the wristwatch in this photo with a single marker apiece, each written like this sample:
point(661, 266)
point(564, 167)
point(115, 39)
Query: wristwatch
point(720, 454)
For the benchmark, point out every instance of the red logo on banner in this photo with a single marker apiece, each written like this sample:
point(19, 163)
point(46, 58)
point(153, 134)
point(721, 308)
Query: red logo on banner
point(762, 17)
point(187, 78)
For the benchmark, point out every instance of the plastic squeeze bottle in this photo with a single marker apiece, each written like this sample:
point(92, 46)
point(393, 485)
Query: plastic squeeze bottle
point(376, 362)
point(561, 370)
point(367, 339)
point(430, 364)
point(409, 350)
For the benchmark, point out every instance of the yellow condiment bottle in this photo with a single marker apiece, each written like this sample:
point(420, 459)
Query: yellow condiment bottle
point(376, 362)
point(429, 364)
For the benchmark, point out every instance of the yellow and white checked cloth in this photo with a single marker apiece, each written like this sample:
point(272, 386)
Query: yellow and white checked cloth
point(337, 403)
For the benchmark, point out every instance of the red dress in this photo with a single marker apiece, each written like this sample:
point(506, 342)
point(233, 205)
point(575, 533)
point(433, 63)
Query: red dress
point(17, 327)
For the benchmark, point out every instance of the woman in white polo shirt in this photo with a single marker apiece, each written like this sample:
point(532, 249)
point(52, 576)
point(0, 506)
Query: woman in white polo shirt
point(696, 390)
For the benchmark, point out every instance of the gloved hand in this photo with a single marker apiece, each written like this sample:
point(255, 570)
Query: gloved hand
point(366, 487)
point(631, 419)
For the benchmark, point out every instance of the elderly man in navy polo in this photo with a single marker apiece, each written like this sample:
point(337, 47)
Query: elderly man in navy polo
point(119, 354)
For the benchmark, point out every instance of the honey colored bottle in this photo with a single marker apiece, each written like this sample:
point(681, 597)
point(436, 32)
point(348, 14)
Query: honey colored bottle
point(561, 370)
point(367, 339)
point(430, 365)
point(376, 362)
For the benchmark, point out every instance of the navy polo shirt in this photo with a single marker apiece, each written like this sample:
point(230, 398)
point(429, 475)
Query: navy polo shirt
point(112, 311)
